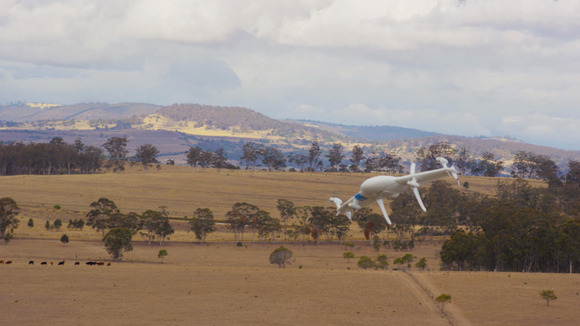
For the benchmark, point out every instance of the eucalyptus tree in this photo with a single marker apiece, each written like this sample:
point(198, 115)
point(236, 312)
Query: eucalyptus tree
point(281, 256)
point(266, 225)
point(118, 241)
point(428, 155)
point(303, 227)
point(202, 223)
point(130, 221)
point(220, 159)
point(90, 159)
point(241, 215)
point(339, 226)
point(100, 213)
point(194, 156)
point(356, 157)
point(335, 155)
point(273, 158)
point(251, 153)
point(314, 154)
point(117, 149)
point(8, 221)
point(287, 211)
point(156, 223)
point(383, 162)
point(146, 154)
point(487, 165)
point(372, 224)
point(321, 221)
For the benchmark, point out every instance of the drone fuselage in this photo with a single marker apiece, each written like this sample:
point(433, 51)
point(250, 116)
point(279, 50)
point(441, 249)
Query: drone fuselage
point(384, 186)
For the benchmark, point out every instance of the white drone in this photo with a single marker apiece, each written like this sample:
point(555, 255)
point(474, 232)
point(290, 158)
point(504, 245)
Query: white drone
point(380, 187)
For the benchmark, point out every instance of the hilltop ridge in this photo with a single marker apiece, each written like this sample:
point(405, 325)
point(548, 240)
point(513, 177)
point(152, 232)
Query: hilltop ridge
point(174, 128)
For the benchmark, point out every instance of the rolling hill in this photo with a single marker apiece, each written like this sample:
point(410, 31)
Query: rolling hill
point(173, 129)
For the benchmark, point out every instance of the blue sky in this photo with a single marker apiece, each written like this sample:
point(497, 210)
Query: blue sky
point(471, 68)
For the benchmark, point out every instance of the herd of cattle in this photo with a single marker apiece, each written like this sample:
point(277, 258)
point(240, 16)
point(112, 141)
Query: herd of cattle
point(60, 263)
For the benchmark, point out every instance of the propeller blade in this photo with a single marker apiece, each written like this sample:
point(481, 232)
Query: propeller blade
point(415, 186)
point(454, 176)
point(337, 201)
point(418, 197)
point(383, 210)
point(442, 161)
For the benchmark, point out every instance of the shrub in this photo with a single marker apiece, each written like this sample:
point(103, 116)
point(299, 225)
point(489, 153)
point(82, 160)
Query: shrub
point(57, 223)
point(382, 262)
point(443, 299)
point(162, 254)
point(398, 261)
point(348, 254)
point(377, 243)
point(76, 224)
point(57, 207)
point(30, 223)
point(64, 239)
point(421, 264)
point(408, 259)
point(397, 244)
point(239, 244)
point(548, 295)
point(281, 257)
point(365, 262)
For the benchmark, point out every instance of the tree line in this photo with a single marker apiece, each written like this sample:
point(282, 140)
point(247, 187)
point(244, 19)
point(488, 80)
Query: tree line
point(54, 157)
point(58, 157)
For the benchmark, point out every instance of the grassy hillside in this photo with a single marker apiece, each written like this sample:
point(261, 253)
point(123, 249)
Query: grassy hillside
point(183, 191)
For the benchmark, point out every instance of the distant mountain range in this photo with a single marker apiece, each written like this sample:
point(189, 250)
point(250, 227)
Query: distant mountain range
point(173, 129)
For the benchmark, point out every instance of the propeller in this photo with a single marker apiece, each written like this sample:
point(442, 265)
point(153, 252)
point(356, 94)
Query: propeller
point(383, 210)
point(452, 173)
point(415, 187)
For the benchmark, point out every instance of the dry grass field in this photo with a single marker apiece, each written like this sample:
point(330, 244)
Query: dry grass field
point(221, 284)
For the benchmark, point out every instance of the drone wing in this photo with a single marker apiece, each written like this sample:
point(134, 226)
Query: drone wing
point(414, 180)
point(422, 178)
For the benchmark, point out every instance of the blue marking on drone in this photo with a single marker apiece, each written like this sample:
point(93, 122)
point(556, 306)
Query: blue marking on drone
point(360, 197)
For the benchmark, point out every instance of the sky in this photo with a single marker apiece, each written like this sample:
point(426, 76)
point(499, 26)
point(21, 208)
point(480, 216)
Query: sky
point(471, 67)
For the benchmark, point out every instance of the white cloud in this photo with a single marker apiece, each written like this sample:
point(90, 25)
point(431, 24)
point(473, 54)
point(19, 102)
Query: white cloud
point(544, 129)
point(461, 67)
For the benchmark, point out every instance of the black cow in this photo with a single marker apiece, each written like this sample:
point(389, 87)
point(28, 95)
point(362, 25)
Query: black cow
point(31, 262)
point(43, 263)
point(60, 263)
